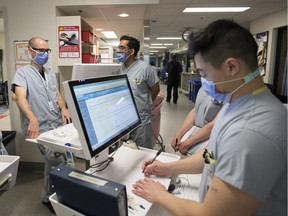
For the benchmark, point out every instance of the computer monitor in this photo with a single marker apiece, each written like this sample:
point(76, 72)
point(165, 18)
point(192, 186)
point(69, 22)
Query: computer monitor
point(84, 71)
point(103, 110)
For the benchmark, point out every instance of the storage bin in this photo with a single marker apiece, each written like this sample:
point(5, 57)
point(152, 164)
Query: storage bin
point(195, 85)
point(8, 139)
point(87, 36)
point(88, 58)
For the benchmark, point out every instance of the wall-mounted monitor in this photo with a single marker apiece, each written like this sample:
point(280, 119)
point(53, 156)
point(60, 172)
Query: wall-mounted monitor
point(103, 110)
point(84, 71)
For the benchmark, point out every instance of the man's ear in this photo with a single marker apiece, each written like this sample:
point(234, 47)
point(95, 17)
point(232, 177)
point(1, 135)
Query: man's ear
point(30, 51)
point(133, 51)
point(232, 65)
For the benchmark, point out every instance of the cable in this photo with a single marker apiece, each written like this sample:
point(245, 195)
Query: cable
point(98, 166)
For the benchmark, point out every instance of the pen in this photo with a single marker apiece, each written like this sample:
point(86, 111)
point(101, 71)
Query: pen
point(176, 144)
point(157, 154)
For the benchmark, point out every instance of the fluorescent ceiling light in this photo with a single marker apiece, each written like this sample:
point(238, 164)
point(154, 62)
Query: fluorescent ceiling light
point(98, 29)
point(113, 43)
point(169, 38)
point(123, 15)
point(109, 34)
point(162, 47)
point(168, 44)
point(215, 9)
point(153, 51)
point(156, 44)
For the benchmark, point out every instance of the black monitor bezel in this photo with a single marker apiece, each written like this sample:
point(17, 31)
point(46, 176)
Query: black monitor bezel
point(73, 83)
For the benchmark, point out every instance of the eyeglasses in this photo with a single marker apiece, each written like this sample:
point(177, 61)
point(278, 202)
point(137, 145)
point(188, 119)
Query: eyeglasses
point(122, 47)
point(48, 51)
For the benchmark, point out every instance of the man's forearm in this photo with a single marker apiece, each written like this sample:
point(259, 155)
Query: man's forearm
point(25, 108)
point(61, 102)
point(190, 165)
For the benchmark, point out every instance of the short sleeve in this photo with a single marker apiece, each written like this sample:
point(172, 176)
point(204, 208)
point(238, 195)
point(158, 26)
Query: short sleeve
point(246, 160)
point(19, 80)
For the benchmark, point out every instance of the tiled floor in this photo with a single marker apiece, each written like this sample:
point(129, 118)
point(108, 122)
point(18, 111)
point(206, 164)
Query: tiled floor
point(24, 198)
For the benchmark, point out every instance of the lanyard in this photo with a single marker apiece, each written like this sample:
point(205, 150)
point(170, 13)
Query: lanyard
point(260, 90)
point(44, 81)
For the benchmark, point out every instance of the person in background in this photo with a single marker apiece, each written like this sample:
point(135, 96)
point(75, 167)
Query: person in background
point(163, 76)
point(41, 105)
point(195, 131)
point(174, 68)
point(145, 86)
point(245, 163)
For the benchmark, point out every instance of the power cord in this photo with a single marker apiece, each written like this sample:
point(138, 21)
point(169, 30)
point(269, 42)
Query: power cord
point(102, 165)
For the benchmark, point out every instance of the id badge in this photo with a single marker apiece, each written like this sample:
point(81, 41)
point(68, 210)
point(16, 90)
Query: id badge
point(51, 107)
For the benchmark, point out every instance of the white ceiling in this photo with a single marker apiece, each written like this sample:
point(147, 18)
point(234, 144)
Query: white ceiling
point(167, 19)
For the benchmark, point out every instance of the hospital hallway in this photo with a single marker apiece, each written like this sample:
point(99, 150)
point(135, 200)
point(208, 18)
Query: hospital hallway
point(24, 198)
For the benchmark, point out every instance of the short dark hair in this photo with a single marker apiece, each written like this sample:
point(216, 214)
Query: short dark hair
point(223, 39)
point(133, 43)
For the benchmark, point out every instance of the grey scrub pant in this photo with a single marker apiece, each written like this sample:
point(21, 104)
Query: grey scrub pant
point(142, 136)
point(51, 160)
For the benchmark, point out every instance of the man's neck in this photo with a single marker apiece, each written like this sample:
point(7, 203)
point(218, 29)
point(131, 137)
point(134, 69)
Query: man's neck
point(39, 68)
point(249, 88)
point(130, 61)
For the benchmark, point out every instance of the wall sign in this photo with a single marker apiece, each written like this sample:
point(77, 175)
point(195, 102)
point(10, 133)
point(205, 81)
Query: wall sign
point(262, 40)
point(68, 37)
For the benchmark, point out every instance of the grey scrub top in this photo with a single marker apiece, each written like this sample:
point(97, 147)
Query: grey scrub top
point(41, 95)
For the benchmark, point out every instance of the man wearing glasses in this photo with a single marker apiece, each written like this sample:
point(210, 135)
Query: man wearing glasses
point(145, 86)
point(41, 105)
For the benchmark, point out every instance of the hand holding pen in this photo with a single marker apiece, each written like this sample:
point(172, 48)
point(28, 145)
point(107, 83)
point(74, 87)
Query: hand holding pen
point(157, 154)
point(176, 145)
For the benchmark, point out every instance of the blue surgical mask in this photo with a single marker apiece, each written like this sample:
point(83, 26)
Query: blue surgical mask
point(41, 58)
point(121, 56)
point(209, 86)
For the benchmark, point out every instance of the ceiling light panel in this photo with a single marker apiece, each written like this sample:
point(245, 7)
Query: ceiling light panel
point(109, 34)
point(169, 38)
point(215, 9)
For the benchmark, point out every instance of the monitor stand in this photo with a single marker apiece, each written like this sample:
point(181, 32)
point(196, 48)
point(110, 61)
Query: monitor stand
point(102, 159)
point(99, 161)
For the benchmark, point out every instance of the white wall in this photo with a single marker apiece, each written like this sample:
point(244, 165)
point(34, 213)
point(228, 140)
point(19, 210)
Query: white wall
point(2, 46)
point(270, 23)
point(28, 18)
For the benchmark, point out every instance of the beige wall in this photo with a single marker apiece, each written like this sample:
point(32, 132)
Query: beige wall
point(24, 19)
point(2, 46)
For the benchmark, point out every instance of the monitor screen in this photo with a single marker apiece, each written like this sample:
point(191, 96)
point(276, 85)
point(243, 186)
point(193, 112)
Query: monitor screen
point(103, 110)
point(85, 71)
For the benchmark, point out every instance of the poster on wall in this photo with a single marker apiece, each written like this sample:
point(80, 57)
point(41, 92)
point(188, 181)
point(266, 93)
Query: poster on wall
point(22, 55)
point(68, 37)
point(262, 40)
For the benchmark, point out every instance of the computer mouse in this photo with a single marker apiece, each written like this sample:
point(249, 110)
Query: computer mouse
point(59, 133)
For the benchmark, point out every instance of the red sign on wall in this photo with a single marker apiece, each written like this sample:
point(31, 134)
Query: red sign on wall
point(68, 37)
